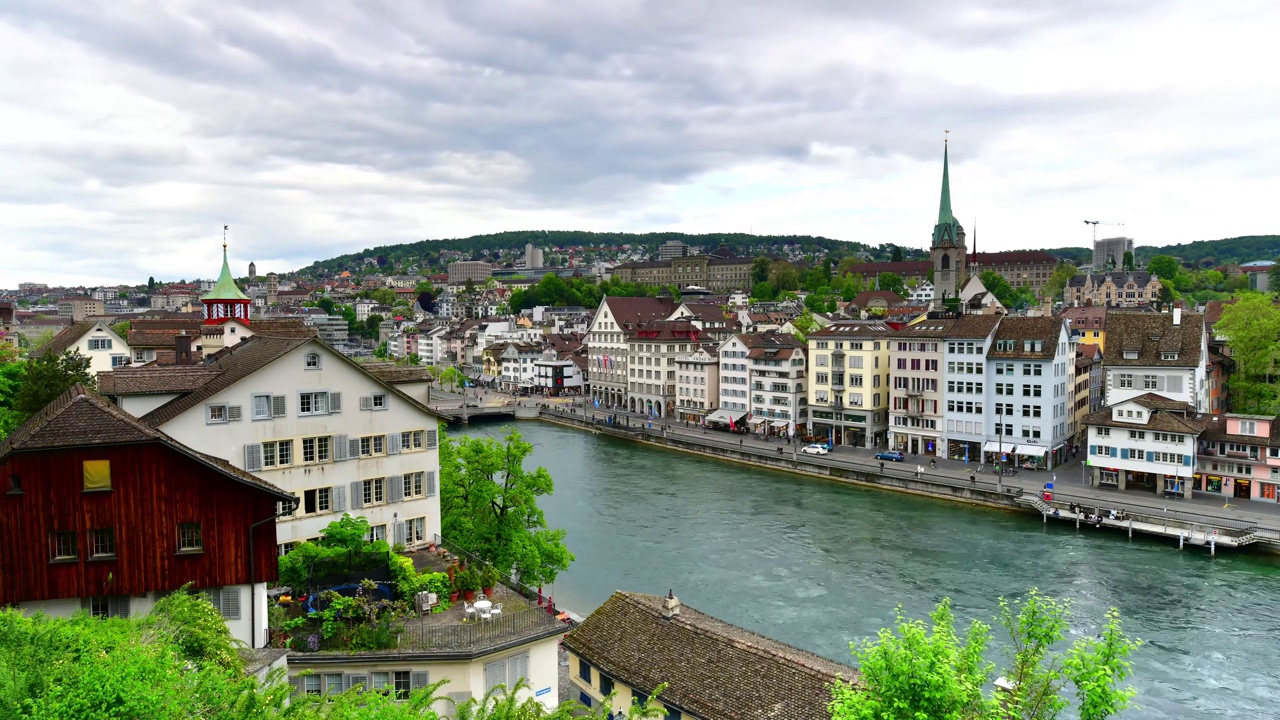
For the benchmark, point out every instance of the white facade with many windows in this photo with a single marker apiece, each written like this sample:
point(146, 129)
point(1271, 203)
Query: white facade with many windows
point(735, 376)
point(697, 384)
point(1148, 443)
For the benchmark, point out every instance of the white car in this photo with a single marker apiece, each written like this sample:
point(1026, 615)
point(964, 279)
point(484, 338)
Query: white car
point(815, 450)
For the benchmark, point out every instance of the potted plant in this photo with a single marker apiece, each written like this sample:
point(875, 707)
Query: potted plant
point(488, 578)
point(469, 580)
point(455, 587)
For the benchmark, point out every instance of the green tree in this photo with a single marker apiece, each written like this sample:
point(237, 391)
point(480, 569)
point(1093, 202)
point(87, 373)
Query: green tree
point(1251, 326)
point(1127, 264)
point(121, 328)
point(452, 377)
point(784, 276)
point(12, 372)
point(489, 505)
point(1163, 267)
point(383, 296)
point(326, 304)
point(762, 291)
point(893, 283)
point(1062, 275)
point(995, 284)
point(760, 270)
point(897, 254)
point(48, 376)
point(1273, 277)
point(151, 284)
point(914, 671)
point(804, 324)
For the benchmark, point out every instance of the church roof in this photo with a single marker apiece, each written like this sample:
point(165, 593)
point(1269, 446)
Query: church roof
point(225, 288)
point(946, 232)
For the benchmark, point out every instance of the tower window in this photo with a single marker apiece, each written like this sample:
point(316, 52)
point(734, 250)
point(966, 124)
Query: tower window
point(946, 262)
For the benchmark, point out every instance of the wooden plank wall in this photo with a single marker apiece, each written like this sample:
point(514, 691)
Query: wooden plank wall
point(154, 488)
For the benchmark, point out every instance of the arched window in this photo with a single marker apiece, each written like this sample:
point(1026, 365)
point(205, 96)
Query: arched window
point(946, 262)
point(313, 361)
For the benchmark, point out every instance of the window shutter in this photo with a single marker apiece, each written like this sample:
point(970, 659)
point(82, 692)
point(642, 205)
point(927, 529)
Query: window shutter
point(338, 498)
point(335, 402)
point(1150, 456)
point(215, 597)
point(361, 681)
point(399, 533)
point(517, 668)
point(1160, 383)
point(253, 457)
point(1175, 384)
point(395, 488)
point(353, 448)
point(431, 483)
point(419, 680)
point(118, 606)
point(340, 448)
point(298, 684)
point(431, 439)
point(1186, 460)
point(386, 442)
point(231, 603)
point(1113, 452)
point(357, 495)
point(1124, 453)
point(495, 674)
point(1093, 449)
point(393, 444)
point(278, 406)
point(234, 413)
point(459, 697)
point(366, 402)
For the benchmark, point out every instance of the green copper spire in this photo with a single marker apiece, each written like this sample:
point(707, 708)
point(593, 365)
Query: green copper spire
point(944, 206)
point(225, 288)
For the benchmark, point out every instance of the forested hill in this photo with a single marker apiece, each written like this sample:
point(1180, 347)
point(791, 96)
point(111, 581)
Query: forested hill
point(1205, 253)
point(427, 253)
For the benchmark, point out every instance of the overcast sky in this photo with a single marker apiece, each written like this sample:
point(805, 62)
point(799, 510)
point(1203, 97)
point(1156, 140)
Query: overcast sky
point(130, 132)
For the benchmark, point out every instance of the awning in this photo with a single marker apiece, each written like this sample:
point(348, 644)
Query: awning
point(724, 416)
point(995, 447)
point(780, 423)
point(486, 378)
point(1032, 451)
point(757, 421)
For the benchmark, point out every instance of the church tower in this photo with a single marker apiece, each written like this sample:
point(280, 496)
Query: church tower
point(225, 301)
point(948, 251)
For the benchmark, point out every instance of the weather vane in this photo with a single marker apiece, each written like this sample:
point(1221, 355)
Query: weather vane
point(225, 228)
point(946, 135)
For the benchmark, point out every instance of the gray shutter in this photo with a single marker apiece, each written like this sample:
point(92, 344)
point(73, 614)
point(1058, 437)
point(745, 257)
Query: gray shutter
point(399, 534)
point(395, 488)
point(253, 457)
point(338, 498)
point(495, 674)
point(231, 603)
point(353, 448)
point(419, 680)
point(386, 442)
point(366, 402)
point(357, 495)
point(118, 606)
point(278, 406)
point(215, 598)
point(358, 680)
point(459, 697)
point(431, 483)
point(431, 439)
point(234, 413)
point(339, 448)
point(517, 669)
point(1160, 383)
point(393, 444)
point(298, 683)
point(335, 402)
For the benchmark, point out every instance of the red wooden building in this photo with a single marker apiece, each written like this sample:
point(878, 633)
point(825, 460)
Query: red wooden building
point(101, 513)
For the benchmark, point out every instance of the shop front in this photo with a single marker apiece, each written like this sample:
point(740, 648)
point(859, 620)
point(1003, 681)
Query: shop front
point(964, 450)
point(1031, 457)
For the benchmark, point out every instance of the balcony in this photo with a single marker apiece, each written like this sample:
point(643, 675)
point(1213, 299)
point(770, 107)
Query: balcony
point(914, 393)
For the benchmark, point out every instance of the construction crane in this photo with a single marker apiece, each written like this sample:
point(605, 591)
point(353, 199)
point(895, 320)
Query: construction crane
point(1096, 223)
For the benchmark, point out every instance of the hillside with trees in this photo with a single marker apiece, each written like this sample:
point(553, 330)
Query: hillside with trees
point(1201, 253)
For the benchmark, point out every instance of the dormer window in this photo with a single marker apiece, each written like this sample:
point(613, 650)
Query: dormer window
point(1130, 354)
point(313, 361)
point(1168, 356)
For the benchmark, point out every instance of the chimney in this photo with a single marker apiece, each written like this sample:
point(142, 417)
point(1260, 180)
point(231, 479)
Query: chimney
point(182, 348)
point(670, 606)
point(1177, 316)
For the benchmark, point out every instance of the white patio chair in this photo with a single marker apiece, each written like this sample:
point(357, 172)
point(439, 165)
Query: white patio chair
point(496, 609)
point(486, 614)
point(469, 609)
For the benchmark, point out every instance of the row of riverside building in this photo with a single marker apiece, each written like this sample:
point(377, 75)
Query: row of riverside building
point(203, 470)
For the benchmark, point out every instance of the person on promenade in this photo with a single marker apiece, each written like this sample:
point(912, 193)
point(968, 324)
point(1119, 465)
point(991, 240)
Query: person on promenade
point(881, 467)
point(973, 478)
point(933, 463)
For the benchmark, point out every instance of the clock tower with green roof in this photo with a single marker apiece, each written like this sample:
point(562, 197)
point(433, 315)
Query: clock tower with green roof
point(225, 301)
point(948, 251)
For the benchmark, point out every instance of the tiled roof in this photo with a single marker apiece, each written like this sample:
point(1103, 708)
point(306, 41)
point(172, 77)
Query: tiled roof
point(1149, 335)
point(846, 329)
point(1086, 317)
point(974, 326)
point(1020, 329)
point(630, 310)
point(282, 328)
point(714, 670)
point(80, 417)
point(63, 340)
point(903, 267)
point(769, 340)
point(1157, 419)
point(1013, 257)
point(1215, 430)
point(889, 297)
point(152, 379)
point(399, 374)
point(158, 338)
point(926, 328)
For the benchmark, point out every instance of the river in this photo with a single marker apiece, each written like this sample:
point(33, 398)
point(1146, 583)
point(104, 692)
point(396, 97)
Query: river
point(819, 565)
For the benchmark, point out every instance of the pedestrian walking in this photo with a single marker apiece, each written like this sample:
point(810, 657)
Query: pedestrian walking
point(973, 478)
point(881, 467)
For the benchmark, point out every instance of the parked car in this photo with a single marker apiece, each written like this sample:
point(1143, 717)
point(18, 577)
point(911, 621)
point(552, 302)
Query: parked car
point(893, 455)
point(814, 450)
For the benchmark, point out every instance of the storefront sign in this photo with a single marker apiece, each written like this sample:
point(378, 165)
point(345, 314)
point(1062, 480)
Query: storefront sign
point(543, 691)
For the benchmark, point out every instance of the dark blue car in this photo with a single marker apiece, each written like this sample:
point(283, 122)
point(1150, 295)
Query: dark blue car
point(893, 455)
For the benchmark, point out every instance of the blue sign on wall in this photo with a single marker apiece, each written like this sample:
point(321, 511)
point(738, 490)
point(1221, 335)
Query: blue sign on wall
point(543, 691)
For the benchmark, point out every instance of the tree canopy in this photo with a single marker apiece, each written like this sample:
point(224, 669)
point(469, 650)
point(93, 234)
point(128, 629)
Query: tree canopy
point(1251, 326)
point(1164, 267)
point(489, 506)
point(47, 377)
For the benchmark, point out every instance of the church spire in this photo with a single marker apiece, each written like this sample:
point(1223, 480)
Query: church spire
point(944, 206)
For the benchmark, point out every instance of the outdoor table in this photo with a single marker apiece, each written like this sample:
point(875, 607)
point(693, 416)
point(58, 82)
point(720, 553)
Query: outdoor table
point(482, 606)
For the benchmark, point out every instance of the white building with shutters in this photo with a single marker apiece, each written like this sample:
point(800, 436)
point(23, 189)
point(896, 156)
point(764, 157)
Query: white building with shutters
point(307, 419)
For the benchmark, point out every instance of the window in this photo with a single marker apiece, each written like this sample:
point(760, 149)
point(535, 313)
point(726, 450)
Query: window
point(1148, 382)
point(1104, 432)
point(373, 445)
point(312, 361)
point(584, 671)
point(317, 403)
point(216, 414)
point(416, 530)
point(1248, 427)
point(1126, 380)
point(119, 361)
point(606, 684)
point(380, 401)
point(102, 543)
point(97, 475)
point(332, 683)
point(261, 407)
point(99, 343)
point(189, 538)
point(1137, 435)
point(377, 532)
point(401, 680)
point(380, 681)
point(373, 490)
point(413, 484)
point(277, 452)
point(99, 606)
point(311, 684)
point(315, 449)
point(62, 546)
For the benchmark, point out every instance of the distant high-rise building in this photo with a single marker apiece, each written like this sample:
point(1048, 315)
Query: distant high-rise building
point(474, 270)
point(672, 249)
point(1108, 253)
point(532, 257)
